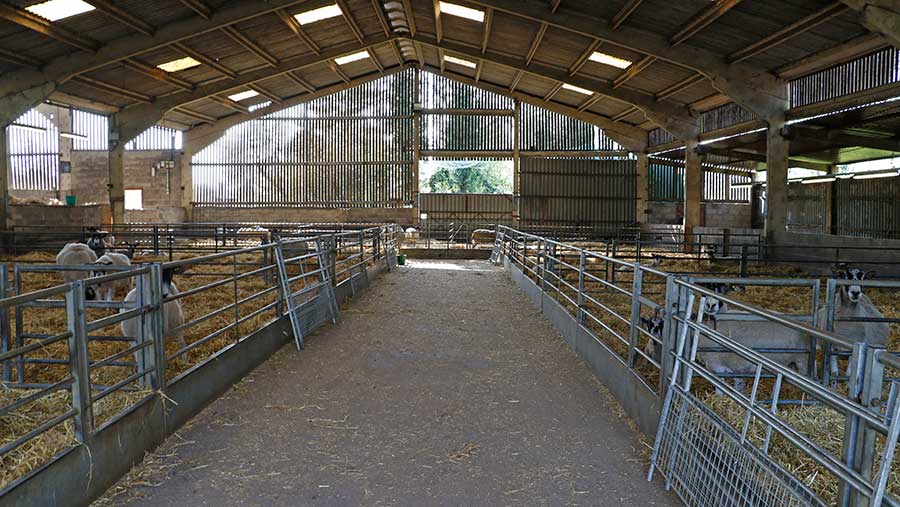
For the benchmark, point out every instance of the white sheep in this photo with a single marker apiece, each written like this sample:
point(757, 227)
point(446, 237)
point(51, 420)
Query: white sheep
point(75, 254)
point(109, 288)
point(172, 317)
point(850, 302)
point(483, 237)
point(412, 235)
point(753, 334)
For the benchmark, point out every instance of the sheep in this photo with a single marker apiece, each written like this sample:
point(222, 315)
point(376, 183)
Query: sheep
point(109, 288)
point(100, 241)
point(654, 326)
point(412, 235)
point(483, 237)
point(172, 317)
point(850, 302)
point(753, 334)
point(75, 254)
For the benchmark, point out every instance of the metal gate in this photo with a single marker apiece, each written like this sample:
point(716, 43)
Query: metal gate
point(304, 281)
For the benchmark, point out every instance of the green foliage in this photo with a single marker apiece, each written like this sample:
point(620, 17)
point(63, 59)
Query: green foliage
point(467, 177)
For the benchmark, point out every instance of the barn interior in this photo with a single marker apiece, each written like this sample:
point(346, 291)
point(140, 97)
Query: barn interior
point(633, 166)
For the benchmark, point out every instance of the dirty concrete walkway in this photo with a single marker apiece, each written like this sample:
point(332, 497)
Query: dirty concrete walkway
point(442, 385)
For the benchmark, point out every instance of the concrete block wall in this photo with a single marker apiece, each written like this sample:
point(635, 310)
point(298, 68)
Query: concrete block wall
point(714, 214)
point(79, 216)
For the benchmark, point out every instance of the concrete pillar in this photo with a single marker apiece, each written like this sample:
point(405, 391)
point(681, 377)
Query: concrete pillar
point(187, 180)
point(66, 145)
point(116, 184)
point(517, 115)
point(643, 188)
point(693, 192)
point(777, 148)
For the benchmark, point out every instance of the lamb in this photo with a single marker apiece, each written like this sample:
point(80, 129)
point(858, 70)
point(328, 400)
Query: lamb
point(850, 302)
point(412, 234)
point(754, 334)
point(109, 288)
point(100, 241)
point(172, 317)
point(654, 326)
point(75, 254)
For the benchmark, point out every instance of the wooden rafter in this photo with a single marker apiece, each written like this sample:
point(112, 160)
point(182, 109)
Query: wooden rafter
point(633, 70)
point(301, 82)
point(195, 115)
point(410, 16)
point(516, 80)
point(337, 70)
point(398, 55)
point(486, 29)
point(376, 61)
point(593, 99)
point(623, 14)
point(230, 104)
point(250, 45)
point(702, 19)
point(479, 68)
point(438, 21)
point(625, 114)
point(351, 22)
point(205, 60)
point(680, 86)
point(788, 32)
point(157, 74)
point(266, 93)
point(553, 91)
point(203, 10)
point(122, 16)
point(31, 21)
point(420, 54)
point(113, 89)
point(554, 5)
point(378, 7)
point(536, 43)
point(584, 57)
point(295, 27)
point(441, 58)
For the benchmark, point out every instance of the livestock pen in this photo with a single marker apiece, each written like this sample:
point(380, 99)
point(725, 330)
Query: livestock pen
point(792, 436)
point(68, 373)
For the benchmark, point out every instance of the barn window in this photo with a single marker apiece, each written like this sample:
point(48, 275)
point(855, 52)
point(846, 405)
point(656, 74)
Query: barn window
point(311, 16)
point(54, 10)
point(134, 199)
point(344, 60)
point(248, 94)
point(463, 12)
point(180, 64)
point(606, 59)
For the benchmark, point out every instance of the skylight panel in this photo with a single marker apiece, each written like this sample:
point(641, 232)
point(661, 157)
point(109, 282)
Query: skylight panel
point(463, 12)
point(311, 16)
point(249, 94)
point(54, 10)
point(344, 60)
point(567, 86)
point(459, 61)
point(606, 59)
point(179, 64)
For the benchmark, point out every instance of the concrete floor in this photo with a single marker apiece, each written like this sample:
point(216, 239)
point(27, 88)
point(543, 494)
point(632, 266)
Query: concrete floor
point(441, 385)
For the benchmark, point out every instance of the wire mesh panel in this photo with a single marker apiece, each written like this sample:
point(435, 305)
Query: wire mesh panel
point(33, 142)
point(578, 191)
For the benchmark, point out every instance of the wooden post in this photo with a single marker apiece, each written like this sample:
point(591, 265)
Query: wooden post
point(417, 145)
point(693, 193)
point(777, 147)
point(517, 114)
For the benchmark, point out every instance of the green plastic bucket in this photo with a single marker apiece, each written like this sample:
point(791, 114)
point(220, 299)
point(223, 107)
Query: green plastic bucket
point(401, 260)
point(71, 200)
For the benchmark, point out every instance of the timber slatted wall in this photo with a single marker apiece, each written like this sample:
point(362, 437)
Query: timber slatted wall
point(483, 208)
point(352, 149)
point(807, 207)
point(868, 208)
point(579, 192)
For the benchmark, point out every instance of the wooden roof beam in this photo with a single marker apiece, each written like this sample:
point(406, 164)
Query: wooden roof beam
point(376, 61)
point(378, 7)
point(40, 25)
point(301, 82)
point(755, 88)
point(230, 104)
point(584, 57)
point(479, 68)
point(195, 115)
point(625, 114)
point(200, 8)
point(351, 22)
point(536, 43)
point(250, 45)
point(18, 59)
point(441, 58)
point(122, 16)
point(879, 16)
point(337, 70)
point(593, 99)
point(623, 14)
point(410, 16)
point(515, 82)
point(157, 74)
point(438, 21)
point(788, 32)
point(702, 19)
point(486, 28)
point(113, 89)
point(554, 5)
point(398, 55)
point(680, 86)
point(266, 93)
point(557, 86)
point(295, 27)
point(205, 60)
point(633, 70)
